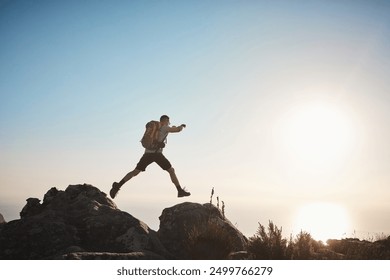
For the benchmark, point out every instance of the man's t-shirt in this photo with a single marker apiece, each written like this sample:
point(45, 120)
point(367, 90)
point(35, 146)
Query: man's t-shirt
point(161, 137)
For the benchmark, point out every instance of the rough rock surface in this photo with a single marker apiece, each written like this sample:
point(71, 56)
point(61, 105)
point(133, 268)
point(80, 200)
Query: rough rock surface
point(111, 256)
point(79, 219)
point(195, 231)
point(2, 221)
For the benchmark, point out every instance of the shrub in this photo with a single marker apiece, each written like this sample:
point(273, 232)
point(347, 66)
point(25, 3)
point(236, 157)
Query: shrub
point(303, 246)
point(268, 245)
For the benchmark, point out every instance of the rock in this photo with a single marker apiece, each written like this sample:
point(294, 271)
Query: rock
point(33, 207)
point(145, 255)
point(2, 221)
point(80, 217)
point(196, 231)
point(241, 255)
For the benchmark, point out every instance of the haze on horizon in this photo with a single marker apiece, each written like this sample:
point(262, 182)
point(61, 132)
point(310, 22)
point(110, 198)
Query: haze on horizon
point(286, 105)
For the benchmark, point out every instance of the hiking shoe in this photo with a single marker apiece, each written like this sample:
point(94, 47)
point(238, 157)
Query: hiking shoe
point(114, 190)
point(182, 193)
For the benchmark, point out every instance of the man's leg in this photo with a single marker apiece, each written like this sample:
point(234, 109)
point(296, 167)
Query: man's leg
point(164, 163)
point(180, 191)
point(128, 176)
point(116, 186)
point(145, 160)
point(174, 179)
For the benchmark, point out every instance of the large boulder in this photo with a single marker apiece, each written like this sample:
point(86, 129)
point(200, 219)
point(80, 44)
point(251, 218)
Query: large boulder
point(79, 219)
point(195, 231)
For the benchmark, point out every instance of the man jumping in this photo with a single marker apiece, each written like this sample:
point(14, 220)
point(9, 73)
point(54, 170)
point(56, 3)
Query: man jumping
point(156, 156)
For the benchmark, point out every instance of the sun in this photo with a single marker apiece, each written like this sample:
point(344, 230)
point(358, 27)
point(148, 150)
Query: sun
point(316, 135)
point(322, 220)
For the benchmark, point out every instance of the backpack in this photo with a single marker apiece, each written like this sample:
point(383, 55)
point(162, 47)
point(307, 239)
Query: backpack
point(150, 139)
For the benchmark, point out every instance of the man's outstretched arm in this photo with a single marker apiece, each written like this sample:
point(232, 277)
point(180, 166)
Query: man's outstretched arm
point(176, 128)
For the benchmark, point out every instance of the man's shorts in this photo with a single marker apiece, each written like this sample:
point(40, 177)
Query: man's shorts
point(149, 158)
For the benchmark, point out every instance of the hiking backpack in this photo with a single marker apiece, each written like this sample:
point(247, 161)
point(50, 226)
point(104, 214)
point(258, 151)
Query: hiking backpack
point(150, 139)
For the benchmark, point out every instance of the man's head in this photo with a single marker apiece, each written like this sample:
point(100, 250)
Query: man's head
point(164, 119)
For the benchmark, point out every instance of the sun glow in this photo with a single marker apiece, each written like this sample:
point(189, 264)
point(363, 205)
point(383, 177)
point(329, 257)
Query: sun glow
point(322, 220)
point(316, 136)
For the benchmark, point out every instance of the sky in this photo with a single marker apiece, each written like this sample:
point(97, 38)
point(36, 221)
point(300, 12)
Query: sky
point(286, 105)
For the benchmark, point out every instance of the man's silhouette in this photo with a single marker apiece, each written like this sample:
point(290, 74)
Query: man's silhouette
point(156, 156)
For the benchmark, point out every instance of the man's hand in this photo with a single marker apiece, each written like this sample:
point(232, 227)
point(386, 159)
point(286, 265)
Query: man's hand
point(176, 128)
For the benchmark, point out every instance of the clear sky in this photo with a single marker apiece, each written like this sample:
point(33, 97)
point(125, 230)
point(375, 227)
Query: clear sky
point(286, 105)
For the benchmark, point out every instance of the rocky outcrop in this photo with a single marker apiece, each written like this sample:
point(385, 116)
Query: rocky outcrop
point(82, 223)
point(72, 222)
point(196, 231)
